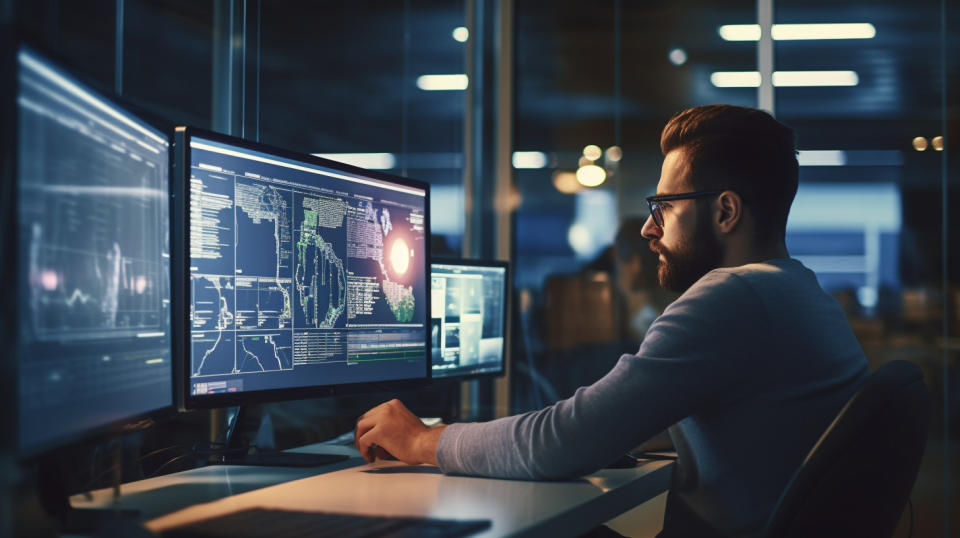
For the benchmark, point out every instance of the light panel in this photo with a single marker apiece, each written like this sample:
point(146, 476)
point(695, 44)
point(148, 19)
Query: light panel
point(794, 32)
point(442, 82)
point(784, 79)
point(529, 159)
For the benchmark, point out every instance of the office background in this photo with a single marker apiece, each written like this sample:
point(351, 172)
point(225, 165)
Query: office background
point(496, 103)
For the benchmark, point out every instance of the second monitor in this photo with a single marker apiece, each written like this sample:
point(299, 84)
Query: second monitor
point(303, 274)
point(469, 309)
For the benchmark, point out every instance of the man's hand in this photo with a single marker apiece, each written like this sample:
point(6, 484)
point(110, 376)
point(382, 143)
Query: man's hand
point(391, 430)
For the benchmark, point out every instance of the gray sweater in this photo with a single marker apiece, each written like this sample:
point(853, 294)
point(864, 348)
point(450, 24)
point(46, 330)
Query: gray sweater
point(748, 366)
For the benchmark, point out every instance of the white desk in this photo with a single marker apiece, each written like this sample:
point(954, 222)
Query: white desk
point(515, 508)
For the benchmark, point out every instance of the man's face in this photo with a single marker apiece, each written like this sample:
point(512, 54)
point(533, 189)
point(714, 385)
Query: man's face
point(686, 244)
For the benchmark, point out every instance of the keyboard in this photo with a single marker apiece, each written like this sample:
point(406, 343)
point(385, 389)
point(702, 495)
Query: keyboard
point(257, 522)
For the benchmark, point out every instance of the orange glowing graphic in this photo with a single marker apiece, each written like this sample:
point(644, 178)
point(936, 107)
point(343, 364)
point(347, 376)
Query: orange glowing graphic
point(400, 256)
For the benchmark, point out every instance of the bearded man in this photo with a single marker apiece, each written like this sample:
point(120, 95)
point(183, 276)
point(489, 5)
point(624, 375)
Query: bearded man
point(746, 368)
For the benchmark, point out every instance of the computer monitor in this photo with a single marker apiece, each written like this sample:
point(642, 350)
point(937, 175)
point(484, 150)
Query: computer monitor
point(469, 324)
point(91, 250)
point(305, 276)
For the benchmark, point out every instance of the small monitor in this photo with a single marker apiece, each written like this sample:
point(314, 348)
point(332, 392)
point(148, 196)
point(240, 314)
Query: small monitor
point(93, 338)
point(305, 276)
point(469, 324)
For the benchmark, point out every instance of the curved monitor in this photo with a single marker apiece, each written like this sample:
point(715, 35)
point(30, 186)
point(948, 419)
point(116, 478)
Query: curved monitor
point(469, 324)
point(304, 276)
point(93, 338)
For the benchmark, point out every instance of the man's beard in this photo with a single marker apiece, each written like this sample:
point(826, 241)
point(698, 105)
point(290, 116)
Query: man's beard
point(695, 257)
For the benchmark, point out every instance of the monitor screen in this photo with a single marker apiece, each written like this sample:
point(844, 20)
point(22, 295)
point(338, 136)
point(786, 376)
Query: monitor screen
point(93, 260)
point(469, 306)
point(303, 273)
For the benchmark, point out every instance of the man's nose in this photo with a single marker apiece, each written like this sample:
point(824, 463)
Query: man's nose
point(650, 229)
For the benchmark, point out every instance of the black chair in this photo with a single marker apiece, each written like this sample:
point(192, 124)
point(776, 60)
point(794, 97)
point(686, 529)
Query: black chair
point(857, 478)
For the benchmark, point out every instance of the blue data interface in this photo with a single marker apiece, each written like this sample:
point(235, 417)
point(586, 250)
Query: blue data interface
point(468, 320)
point(93, 259)
point(300, 275)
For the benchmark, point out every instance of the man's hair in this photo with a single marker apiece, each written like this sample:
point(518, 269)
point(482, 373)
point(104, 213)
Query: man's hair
point(744, 150)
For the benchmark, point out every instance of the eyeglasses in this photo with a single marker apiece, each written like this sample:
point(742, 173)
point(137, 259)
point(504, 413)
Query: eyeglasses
point(653, 202)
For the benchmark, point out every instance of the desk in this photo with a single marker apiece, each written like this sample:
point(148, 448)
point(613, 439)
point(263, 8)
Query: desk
point(515, 507)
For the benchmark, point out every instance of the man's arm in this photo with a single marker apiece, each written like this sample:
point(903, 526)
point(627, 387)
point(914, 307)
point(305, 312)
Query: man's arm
point(391, 430)
point(697, 355)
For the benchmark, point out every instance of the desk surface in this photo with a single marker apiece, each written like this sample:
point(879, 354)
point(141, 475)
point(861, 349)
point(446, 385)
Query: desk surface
point(515, 507)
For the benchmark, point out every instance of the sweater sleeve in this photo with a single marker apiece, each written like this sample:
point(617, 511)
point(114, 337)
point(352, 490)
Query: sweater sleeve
point(695, 355)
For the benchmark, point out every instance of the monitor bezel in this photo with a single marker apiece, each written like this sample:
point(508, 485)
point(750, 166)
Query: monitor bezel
point(506, 318)
point(187, 401)
point(12, 46)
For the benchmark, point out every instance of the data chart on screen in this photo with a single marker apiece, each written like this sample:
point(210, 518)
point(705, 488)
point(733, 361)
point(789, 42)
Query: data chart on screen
point(301, 275)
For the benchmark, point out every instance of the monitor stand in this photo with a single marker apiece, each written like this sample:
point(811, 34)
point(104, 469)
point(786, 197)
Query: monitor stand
point(237, 445)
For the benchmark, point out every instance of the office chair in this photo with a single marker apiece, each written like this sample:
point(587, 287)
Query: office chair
point(857, 478)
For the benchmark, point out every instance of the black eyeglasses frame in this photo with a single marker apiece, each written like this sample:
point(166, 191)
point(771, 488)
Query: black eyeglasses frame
point(653, 202)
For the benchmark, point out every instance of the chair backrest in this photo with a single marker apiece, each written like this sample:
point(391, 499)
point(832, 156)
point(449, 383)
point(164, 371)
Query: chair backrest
point(856, 480)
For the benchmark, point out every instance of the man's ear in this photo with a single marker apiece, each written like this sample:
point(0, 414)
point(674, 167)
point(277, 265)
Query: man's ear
point(729, 211)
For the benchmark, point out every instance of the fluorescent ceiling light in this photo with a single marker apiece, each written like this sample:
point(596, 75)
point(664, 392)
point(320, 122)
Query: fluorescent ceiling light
point(739, 32)
point(783, 79)
point(815, 78)
point(371, 161)
point(735, 79)
point(791, 32)
point(529, 159)
point(442, 82)
point(830, 157)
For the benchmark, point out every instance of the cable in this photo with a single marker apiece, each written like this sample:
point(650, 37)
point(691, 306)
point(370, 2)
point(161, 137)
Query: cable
point(92, 482)
point(180, 457)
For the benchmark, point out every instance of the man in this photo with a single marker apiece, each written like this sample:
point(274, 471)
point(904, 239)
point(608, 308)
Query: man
point(747, 367)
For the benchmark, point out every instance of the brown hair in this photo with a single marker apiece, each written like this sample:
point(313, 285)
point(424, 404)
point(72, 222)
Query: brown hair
point(740, 149)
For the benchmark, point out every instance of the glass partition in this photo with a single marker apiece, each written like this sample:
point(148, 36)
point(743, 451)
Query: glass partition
point(862, 84)
point(373, 83)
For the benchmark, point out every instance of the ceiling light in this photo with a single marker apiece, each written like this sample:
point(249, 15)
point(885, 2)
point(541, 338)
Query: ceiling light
point(591, 175)
point(739, 32)
point(792, 32)
point(461, 34)
point(751, 79)
point(592, 152)
point(815, 78)
point(920, 143)
point(937, 143)
point(442, 82)
point(614, 154)
point(677, 56)
point(735, 79)
point(529, 159)
point(789, 32)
